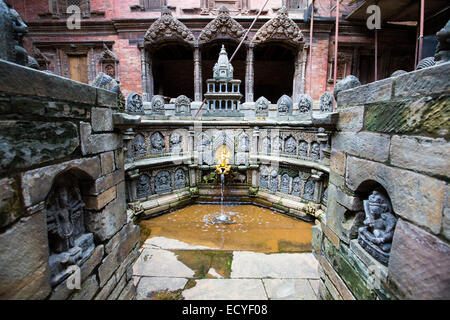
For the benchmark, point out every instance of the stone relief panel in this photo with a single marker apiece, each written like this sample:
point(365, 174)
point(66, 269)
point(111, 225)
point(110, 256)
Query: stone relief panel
point(157, 105)
point(296, 186)
point(264, 179)
point(266, 145)
point(377, 232)
point(285, 183)
point(273, 181)
point(262, 107)
point(143, 186)
point(163, 182)
point(183, 106)
point(68, 241)
point(305, 105)
point(243, 143)
point(135, 104)
point(290, 146)
point(278, 145)
point(204, 149)
point(157, 143)
point(326, 102)
point(303, 149)
point(179, 179)
point(139, 147)
point(308, 193)
point(284, 106)
point(176, 143)
point(315, 151)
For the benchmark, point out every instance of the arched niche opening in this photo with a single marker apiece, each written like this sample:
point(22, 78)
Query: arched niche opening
point(210, 54)
point(274, 67)
point(173, 69)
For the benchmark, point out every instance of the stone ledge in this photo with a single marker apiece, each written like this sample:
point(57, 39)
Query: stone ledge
point(372, 92)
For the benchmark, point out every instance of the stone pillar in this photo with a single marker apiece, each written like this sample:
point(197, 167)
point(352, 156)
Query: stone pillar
point(299, 73)
point(197, 74)
point(249, 75)
point(325, 148)
point(147, 75)
point(317, 177)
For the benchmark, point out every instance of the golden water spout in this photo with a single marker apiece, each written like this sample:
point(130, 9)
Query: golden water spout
point(223, 158)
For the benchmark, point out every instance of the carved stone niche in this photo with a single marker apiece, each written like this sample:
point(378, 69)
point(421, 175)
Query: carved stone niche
point(69, 243)
point(157, 143)
point(139, 147)
point(284, 184)
point(262, 107)
point(326, 102)
point(303, 149)
point(143, 186)
point(179, 179)
point(296, 186)
point(315, 151)
point(305, 105)
point(183, 106)
point(273, 181)
point(308, 193)
point(376, 234)
point(157, 105)
point(163, 182)
point(290, 146)
point(264, 179)
point(176, 143)
point(284, 106)
point(134, 103)
point(266, 145)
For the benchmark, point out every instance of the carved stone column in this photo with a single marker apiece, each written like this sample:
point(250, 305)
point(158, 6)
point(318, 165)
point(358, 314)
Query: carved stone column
point(253, 161)
point(147, 75)
point(317, 177)
point(300, 73)
point(325, 148)
point(249, 75)
point(197, 74)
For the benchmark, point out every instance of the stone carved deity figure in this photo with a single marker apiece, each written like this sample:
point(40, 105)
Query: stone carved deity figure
point(139, 147)
point(176, 143)
point(157, 105)
point(277, 145)
point(134, 103)
point(264, 179)
point(162, 182)
point(290, 147)
point(179, 179)
point(266, 145)
point(158, 144)
point(305, 105)
point(143, 187)
point(284, 106)
point(303, 149)
point(273, 181)
point(326, 102)
point(315, 151)
point(183, 106)
point(296, 186)
point(308, 193)
point(262, 107)
point(284, 184)
point(378, 230)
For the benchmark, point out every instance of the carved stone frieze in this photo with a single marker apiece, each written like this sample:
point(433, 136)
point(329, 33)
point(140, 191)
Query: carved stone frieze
point(143, 187)
point(179, 179)
point(139, 147)
point(163, 182)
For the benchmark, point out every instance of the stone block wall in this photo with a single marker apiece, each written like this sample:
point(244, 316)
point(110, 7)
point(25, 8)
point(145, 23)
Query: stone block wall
point(391, 134)
point(63, 220)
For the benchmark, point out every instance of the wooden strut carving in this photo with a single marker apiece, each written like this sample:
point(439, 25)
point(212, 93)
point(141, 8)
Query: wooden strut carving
point(280, 27)
point(167, 27)
point(222, 26)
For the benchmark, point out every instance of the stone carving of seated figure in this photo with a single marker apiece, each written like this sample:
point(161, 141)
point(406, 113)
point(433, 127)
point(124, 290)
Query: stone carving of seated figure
point(379, 224)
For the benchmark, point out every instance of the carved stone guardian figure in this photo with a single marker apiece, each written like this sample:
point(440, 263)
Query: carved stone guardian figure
point(158, 145)
point(273, 181)
point(290, 147)
point(284, 184)
point(179, 179)
point(262, 107)
point(163, 182)
point(326, 102)
point(176, 143)
point(308, 193)
point(139, 147)
point(143, 187)
point(284, 106)
point(443, 48)
point(157, 105)
point(303, 149)
point(183, 106)
point(296, 186)
point(264, 179)
point(305, 105)
point(134, 103)
point(379, 224)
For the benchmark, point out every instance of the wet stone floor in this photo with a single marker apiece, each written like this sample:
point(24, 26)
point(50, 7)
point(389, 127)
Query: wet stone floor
point(260, 255)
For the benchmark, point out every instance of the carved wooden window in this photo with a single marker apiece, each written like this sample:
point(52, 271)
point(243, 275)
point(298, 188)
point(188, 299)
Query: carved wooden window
point(59, 7)
point(153, 5)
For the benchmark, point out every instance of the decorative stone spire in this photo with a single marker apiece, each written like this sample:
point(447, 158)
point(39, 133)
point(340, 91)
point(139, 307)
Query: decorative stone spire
point(223, 70)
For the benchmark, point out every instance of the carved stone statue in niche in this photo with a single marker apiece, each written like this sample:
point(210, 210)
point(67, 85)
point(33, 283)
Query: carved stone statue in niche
point(284, 185)
point(244, 143)
point(277, 145)
point(315, 151)
point(262, 107)
point(203, 147)
point(284, 106)
point(139, 147)
point(303, 149)
point(290, 147)
point(158, 144)
point(308, 193)
point(176, 143)
point(266, 145)
point(179, 179)
point(183, 106)
point(157, 105)
point(162, 182)
point(143, 187)
point(296, 186)
point(326, 102)
point(379, 224)
point(274, 180)
point(67, 238)
point(134, 103)
point(305, 105)
point(264, 179)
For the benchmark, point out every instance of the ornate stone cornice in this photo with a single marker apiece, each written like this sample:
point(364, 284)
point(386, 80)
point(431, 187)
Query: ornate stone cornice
point(222, 26)
point(167, 27)
point(279, 28)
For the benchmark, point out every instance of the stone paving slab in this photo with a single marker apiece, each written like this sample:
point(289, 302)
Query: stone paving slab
point(160, 263)
point(171, 244)
point(226, 289)
point(248, 264)
point(148, 285)
point(289, 289)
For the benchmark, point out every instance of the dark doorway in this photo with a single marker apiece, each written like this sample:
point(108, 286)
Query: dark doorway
point(173, 70)
point(274, 70)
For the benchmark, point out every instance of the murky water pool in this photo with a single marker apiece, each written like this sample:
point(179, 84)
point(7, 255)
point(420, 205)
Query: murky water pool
point(253, 229)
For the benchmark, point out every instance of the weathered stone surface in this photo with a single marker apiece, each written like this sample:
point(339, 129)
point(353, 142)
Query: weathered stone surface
point(9, 201)
point(147, 285)
point(351, 119)
point(425, 81)
point(27, 143)
point(446, 214)
point(102, 119)
point(105, 223)
point(349, 82)
point(337, 162)
point(103, 183)
point(36, 184)
point(128, 293)
point(107, 289)
point(107, 161)
point(106, 98)
point(330, 234)
point(129, 229)
point(421, 154)
point(24, 272)
point(424, 116)
point(150, 261)
point(32, 107)
point(88, 289)
point(118, 289)
point(414, 196)
point(97, 143)
point(338, 283)
point(101, 200)
point(226, 289)
point(289, 289)
point(368, 145)
point(350, 202)
point(317, 237)
point(37, 83)
point(419, 264)
point(372, 92)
